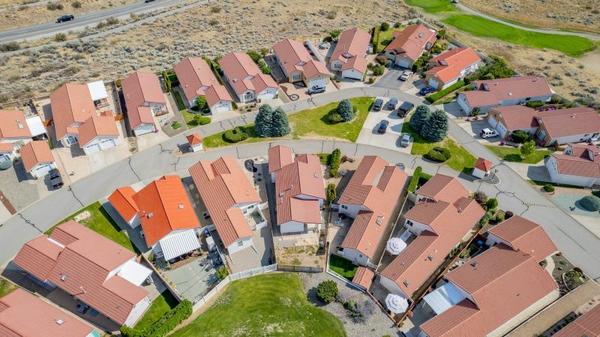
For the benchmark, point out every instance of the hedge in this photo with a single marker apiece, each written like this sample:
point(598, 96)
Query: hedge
point(330, 193)
point(590, 203)
point(412, 186)
point(436, 96)
point(163, 326)
point(438, 154)
point(235, 135)
point(334, 162)
point(535, 104)
point(200, 120)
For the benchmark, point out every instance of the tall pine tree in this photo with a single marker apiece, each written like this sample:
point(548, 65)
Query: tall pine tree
point(419, 118)
point(436, 126)
point(280, 125)
point(263, 125)
point(345, 110)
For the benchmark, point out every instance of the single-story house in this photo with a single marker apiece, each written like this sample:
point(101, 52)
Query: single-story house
point(482, 168)
point(298, 65)
point(299, 190)
point(195, 142)
point(246, 79)
point(349, 55)
point(409, 44)
point(89, 267)
point(451, 66)
point(197, 79)
point(507, 119)
point(504, 91)
point(143, 99)
point(37, 158)
point(579, 165)
point(370, 198)
point(98, 133)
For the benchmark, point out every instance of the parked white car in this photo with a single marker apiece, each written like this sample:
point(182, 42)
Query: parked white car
point(488, 133)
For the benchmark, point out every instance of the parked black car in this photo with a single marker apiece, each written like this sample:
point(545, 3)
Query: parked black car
point(382, 126)
point(55, 179)
point(426, 90)
point(378, 104)
point(391, 104)
point(65, 18)
point(405, 108)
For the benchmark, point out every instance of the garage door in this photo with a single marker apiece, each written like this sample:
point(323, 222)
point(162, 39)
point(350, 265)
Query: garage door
point(221, 107)
point(492, 121)
point(41, 171)
point(92, 148)
point(404, 63)
point(144, 129)
point(321, 83)
point(107, 144)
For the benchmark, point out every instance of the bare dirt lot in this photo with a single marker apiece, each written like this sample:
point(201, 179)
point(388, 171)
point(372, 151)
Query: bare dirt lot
point(561, 14)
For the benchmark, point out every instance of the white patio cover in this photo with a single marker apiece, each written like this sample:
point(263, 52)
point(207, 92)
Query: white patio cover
point(97, 90)
point(36, 126)
point(444, 297)
point(396, 303)
point(134, 272)
point(179, 243)
point(395, 246)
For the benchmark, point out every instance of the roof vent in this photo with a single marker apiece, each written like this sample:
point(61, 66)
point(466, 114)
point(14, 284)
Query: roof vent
point(420, 35)
point(474, 264)
point(149, 215)
point(430, 258)
point(180, 206)
point(405, 283)
point(60, 322)
point(19, 124)
point(379, 220)
point(63, 277)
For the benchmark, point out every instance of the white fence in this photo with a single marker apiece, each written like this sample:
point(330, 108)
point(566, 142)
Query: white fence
point(199, 303)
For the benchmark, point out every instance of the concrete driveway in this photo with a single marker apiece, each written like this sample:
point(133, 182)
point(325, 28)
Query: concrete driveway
point(368, 134)
point(390, 80)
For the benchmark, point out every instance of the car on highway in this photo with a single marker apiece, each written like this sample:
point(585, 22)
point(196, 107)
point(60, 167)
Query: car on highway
point(426, 90)
point(405, 75)
point(392, 103)
point(65, 18)
point(405, 140)
point(378, 104)
point(316, 90)
point(382, 128)
point(488, 133)
point(405, 108)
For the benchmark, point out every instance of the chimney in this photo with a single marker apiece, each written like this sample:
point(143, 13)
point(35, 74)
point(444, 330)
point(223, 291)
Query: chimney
point(60, 321)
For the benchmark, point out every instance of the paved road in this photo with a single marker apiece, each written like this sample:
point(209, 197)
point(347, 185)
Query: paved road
point(83, 21)
point(575, 241)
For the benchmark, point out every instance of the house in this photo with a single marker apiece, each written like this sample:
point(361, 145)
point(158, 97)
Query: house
point(370, 198)
point(504, 91)
point(143, 99)
point(25, 315)
point(165, 213)
point(89, 267)
point(195, 142)
point(409, 44)
point(451, 66)
point(442, 218)
point(73, 110)
point(482, 168)
point(14, 128)
point(349, 55)
point(7, 150)
point(37, 158)
point(508, 119)
point(246, 79)
point(584, 325)
point(299, 190)
point(496, 290)
point(579, 165)
point(197, 79)
point(231, 201)
point(298, 65)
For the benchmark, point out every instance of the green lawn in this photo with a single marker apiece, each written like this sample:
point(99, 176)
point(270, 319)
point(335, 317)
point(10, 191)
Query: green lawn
point(385, 37)
point(100, 222)
point(432, 6)
point(568, 44)
point(178, 100)
point(272, 305)
point(6, 287)
point(217, 139)
point(160, 306)
point(342, 266)
point(461, 159)
point(513, 154)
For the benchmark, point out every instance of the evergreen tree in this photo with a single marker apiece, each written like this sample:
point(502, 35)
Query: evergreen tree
point(419, 118)
point(436, 126)
point(279, 124)
point(263, 124)
point(345, 110)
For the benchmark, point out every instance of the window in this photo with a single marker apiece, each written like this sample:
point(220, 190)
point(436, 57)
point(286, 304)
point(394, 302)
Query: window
point(344, 207)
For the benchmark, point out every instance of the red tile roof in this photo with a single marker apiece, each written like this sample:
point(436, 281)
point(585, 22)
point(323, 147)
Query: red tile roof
point(164, 207)
point(569, 122)
point(6, 148)
point(279, 156)
point(194, 139)
point(586, 325)
point(293, 56)
point(411, 42)
point(25, 315)
point(449, 65)
point(224, 187)
point(71, 104)
point(584, 161)
point(140, 89)
point(364, 277)
point(492, 92)
point(13, 125)
point(351, 49)
point(122, 200)
point(197, 79)
point(36, 152)
point(82, 268)
point(483, 164)
point(97, 126)
point(526, 236)
point(443, 188)
point(377, 186)
point(517, 117)
point(244, 75)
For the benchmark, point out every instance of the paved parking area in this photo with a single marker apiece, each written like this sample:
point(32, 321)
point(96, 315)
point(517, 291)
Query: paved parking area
point(194, 279)
point(391, 80)
point(369, 135)
point(18, 188)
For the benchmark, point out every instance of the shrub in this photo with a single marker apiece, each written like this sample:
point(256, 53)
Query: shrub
point(235, 135)
point(11, 46)
point(442, 93)
point(254, 55)
point(175, 125)
point(264, 67)
point(215, 9)
point(419, 118)
point(201, 120)
point(333, 117)
point(384, 26)
point(60, 37)
point(520, 136)
point(52, 6)
point(334, 162)
point(436, 126)
point(590, 203)
point(345, 110)
point(496, 67)
point(491, 204)
point(534, 104)
point(527, 148)
point(500, 216)
point(165, 324)
point(438, 154)
point(331, 195)
point(412, 185)
point(480, 197)
point(334, 34)
point(378, 70)
point(76, 4)
point(548, 188)
point(327, 291)
point(508, 214)
point(222, 272)
point(201, 104)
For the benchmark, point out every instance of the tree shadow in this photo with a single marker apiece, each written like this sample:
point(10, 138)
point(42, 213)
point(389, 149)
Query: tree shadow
point(513, 157)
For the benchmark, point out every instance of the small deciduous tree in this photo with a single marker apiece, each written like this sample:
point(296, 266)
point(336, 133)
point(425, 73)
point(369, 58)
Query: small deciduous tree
point(419, 118)
point(480, 197)
point(327, 291)
point(491, 204)
point(527, 148)
point(201, 104)
point(436, 126)
point(263, 124)
point(330, 193)
point(345, 110)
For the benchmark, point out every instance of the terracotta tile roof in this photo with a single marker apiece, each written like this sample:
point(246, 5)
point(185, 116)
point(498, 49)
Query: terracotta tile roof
point(411, 42)
point(294, 183)
point(6, 148)
point(122, 200)
point(97, 126)
point(279, 156)
point(493, 92)
point(351, 49)
point(25, 315)
point(194, 139)
point(586, 325)
point(569, 122)
point(377, 186)
point(449, 65)
point(526, 236)
point(449, 223)
point(140, 89)
point(483, 164)
point(363, 277)
point(197, 79)
point(443, 188)
point(13, 125)
point(517, 117)
point(164, 207)
point(224, 187)
point(584, 161)
point(500, 283)
point(243, 74)
point(82, 269)
point(71, 105)
point(293, 56)
point(36, 152)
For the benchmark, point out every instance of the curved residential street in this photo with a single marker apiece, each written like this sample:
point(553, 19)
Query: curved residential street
point(576, 242)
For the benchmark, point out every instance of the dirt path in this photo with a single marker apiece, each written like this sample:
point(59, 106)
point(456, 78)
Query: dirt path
point(592, 61)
